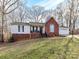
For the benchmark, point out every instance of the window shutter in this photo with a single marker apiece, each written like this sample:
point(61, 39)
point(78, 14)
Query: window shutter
point(18, 28)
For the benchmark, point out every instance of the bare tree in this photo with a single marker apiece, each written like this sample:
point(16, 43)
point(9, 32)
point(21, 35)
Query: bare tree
point(66, 16)
point(19, 14)
point(37, 13)
point(72, 14)
point(7, 6)
point(60, 15)
point(72, 20)
point(12, 17)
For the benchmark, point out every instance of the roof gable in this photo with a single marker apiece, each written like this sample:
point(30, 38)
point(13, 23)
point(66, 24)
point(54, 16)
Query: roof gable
point(51, 17)
point(52, 20)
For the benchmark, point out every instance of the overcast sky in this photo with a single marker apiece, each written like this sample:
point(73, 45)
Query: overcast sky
point(48, 4)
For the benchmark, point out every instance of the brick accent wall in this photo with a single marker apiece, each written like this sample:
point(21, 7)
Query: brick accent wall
point(19, 37)
point(56, 28)
point(35, 35)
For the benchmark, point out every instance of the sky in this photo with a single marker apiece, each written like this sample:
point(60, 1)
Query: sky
point(48, 4)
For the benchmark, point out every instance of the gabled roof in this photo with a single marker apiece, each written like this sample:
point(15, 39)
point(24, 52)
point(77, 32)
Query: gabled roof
point(36, 24)
point(33, 23)
point(30, 23)
point(19, 23)
point(50, 17)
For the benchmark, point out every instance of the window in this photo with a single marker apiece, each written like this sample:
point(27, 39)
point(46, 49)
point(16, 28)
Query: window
point(35, 29)
point(22, 28)
point(51, 28)
point(18, 28)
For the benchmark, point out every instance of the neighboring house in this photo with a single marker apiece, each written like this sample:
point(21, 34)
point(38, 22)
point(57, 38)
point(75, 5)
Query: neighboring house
point(21, 30)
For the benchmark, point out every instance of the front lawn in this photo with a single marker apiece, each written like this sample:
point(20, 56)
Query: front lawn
point(46, 48)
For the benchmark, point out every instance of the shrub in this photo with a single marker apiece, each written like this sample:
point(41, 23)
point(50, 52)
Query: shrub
point(11, 39)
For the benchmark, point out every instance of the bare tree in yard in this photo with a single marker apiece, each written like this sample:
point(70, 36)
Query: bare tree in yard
point(19, 14)
point(37, 13)
point(73, 17)
point(60, 14)
point(66, 16)
point(12, 16)
point(7, 6)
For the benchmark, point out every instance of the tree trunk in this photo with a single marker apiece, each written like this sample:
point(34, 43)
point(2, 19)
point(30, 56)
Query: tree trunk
point(2, 36)
point(67, 23)
point(70, 26)
point(74, 26)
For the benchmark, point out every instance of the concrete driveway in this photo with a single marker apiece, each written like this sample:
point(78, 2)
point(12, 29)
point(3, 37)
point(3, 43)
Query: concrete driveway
point(76, 36)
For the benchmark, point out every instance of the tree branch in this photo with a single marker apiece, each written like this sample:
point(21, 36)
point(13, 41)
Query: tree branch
point(11, 10)
point(11, 4)
point(7, 2)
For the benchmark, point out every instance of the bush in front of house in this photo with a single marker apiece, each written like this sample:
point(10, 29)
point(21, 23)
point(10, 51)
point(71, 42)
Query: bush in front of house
point(8, 37)
point(11, 39)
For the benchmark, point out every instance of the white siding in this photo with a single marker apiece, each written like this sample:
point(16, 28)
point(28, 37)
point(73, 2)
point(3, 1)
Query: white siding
point(14, 29)
point(64, 31)
point(27, 29)
point(38, 28)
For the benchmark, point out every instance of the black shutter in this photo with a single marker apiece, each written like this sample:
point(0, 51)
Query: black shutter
point(18, 28)
point(22, 28)
point(33, 28)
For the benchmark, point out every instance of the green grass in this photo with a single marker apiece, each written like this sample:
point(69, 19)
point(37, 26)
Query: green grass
point(46, 48)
